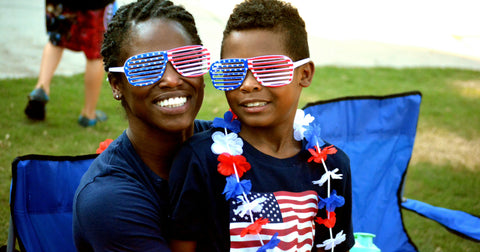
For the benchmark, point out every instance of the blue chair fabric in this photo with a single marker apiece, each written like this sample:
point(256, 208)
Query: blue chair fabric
point(377, 133)
point(458, 222)
point(41, 198)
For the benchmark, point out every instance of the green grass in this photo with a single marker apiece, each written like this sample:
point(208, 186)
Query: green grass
point(447, 105)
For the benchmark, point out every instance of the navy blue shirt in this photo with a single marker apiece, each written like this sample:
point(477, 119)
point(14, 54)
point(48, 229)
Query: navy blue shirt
point(200, 212)
point(121, 204)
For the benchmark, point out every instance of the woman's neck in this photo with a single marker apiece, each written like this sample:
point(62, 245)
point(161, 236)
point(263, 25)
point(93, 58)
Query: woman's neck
point(157, 148)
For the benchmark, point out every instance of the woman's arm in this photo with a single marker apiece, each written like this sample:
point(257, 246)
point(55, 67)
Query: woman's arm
point(112, 214)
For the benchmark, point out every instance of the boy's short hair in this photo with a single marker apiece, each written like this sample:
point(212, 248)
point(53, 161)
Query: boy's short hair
point(273, 15)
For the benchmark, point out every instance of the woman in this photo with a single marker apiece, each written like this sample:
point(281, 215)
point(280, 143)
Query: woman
point(155, 66)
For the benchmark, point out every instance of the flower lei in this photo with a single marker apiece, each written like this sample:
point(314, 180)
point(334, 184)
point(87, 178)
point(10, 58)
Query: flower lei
point(103, 145)
point(232, 164)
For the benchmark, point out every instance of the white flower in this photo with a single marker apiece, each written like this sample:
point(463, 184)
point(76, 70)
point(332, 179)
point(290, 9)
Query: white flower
point(229, 143)
point(300, 121)
point(325, 177)
point(330, 243)
point(254, 206)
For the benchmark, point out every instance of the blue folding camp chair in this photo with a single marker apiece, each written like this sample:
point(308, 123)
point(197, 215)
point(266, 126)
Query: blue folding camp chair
point(378, 133)
point(41, 199)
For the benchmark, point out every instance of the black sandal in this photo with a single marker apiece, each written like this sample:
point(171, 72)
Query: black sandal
point(37, 100)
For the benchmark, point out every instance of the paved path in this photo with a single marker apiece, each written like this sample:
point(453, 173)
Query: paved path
point(343, 33)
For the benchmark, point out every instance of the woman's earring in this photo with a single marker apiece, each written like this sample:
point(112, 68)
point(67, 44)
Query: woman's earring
point(117, 96)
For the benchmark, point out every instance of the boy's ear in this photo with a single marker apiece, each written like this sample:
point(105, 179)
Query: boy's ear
point(306, 74)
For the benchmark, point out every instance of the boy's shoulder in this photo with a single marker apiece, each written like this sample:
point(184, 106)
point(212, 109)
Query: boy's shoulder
point(340, 158)
point(201, 125)
point(201, 136)
point(340, 153)
point(201, 141)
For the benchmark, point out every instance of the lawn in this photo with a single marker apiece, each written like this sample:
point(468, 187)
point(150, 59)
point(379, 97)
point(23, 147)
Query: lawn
point(445, 166)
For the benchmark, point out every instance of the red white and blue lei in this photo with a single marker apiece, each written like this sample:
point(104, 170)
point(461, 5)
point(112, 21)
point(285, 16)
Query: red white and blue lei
point(229, 146)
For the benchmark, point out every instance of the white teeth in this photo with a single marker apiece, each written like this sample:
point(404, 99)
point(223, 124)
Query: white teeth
point(255, 104)
point(173, 102)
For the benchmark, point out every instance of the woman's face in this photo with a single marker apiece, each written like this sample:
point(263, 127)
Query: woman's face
point(172, 103)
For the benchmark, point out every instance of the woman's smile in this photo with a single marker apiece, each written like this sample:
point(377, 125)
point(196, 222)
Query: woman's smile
point(173, 102)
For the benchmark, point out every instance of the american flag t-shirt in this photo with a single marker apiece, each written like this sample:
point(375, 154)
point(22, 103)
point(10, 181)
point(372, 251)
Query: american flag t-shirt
point(290, 214)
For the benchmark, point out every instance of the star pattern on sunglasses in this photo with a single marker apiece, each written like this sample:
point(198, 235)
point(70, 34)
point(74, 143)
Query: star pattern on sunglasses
point(268, 70)
point(148, 68)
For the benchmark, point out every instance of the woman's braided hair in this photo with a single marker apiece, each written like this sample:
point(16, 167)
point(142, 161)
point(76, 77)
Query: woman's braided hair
point(119, 28)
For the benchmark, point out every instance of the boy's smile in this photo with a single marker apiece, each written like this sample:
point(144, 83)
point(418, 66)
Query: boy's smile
point(253, 105)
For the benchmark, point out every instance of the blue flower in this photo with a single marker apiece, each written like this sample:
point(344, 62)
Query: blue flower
point(312, 135)
point(227, 122)
point(233, 188)
point(271, 244)
point(331, 202)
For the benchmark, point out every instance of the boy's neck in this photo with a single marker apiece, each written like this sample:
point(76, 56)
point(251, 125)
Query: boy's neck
point(277, 142)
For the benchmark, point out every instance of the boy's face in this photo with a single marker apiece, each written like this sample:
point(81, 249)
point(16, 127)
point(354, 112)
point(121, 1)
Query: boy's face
point(254, 104)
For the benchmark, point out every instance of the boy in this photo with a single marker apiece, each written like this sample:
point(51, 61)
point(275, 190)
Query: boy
point(258, 190)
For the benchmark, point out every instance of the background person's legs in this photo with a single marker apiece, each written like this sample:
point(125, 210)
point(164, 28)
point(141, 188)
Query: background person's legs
point(50, 59)
point(94, 75)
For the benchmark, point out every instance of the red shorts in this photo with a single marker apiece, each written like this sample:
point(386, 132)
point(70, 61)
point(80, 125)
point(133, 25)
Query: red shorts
point(78, 30)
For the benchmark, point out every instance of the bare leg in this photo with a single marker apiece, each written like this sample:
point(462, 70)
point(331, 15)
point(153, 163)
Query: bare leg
point(94, 75)
point(50, 58)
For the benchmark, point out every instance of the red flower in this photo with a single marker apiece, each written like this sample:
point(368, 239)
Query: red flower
point(234, 116)
point(226, 162)
point(329, 222)
point(318, 156)
point(103, 145)
point(255, 227)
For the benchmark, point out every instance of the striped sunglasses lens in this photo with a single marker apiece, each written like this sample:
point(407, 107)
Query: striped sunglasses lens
point(148, 68)
point(269, 71)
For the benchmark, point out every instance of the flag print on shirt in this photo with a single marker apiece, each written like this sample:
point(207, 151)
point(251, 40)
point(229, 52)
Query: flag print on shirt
point(290, 214)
